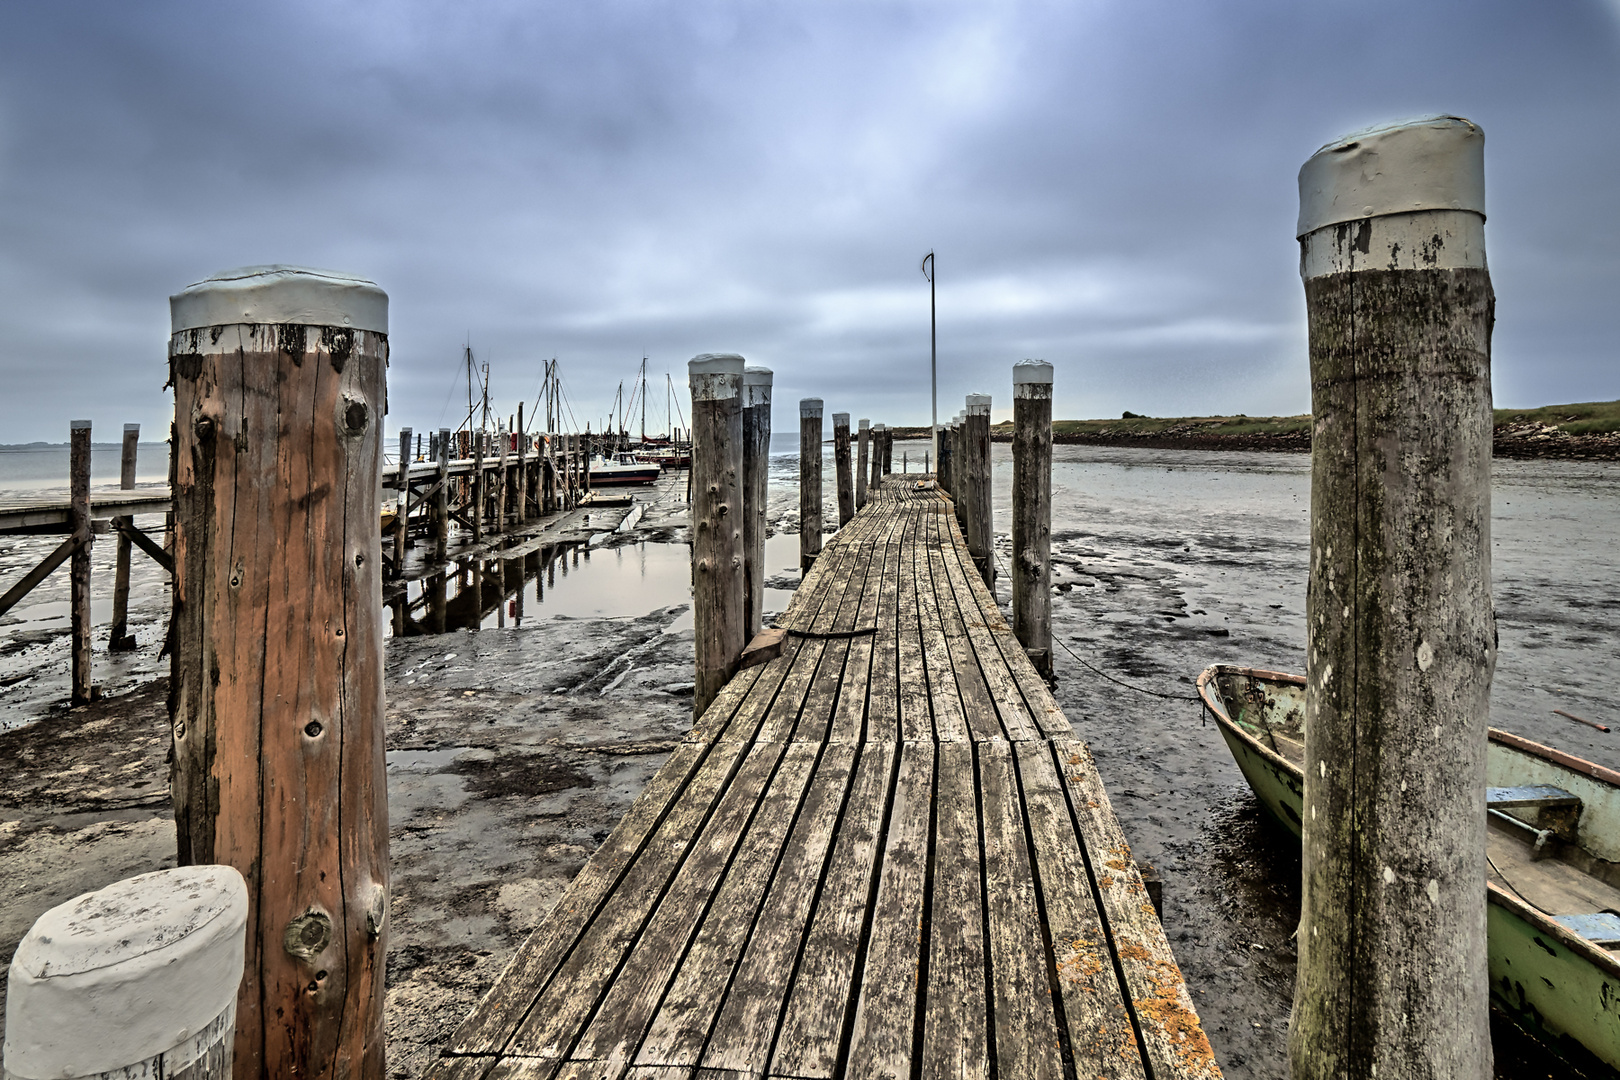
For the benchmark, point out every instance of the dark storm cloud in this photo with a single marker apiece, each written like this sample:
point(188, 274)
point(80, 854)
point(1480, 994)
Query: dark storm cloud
point(1109, 186)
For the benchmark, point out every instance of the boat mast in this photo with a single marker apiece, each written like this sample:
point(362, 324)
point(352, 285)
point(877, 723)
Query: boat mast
point(644, 401)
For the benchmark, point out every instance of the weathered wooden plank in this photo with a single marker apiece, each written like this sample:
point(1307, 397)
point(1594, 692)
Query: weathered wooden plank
point(702, 923)
point(1171, 1036)
point(955, 1037)
point(1098, 1026)
point(461, 1068)
point(764, 957)
point(886, 1010)
point(945, 699)
point(1027, 1043)
point(691, 845)
point(1000, 683)
point(883, 687)
point(979, 706)
point(835, 565)
point(497, 1016)
point(817, 1006)
point(916, 713)
point(824, 696)
point(854, 691)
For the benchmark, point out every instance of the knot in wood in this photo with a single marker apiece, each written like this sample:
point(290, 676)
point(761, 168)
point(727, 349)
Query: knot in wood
point(356, 416)
point(308, 935)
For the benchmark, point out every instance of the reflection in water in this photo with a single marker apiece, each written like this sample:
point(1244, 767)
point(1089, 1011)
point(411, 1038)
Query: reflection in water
point(489, 591)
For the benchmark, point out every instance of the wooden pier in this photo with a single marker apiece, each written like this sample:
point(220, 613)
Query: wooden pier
point(881, 852)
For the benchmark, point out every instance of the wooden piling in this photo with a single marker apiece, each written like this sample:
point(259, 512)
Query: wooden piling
point(276, 682)
point(878, 431)
point(981, 537)
point(441, 499)
point(718, 572)
point(1392, 978)
point(756, 465)
point(809, 481)
point(119, 639)
point(862, 459)
point(79, 564)
point(522, 469)
point(503, 481)
point(843, 468)
point(888, 451)
point(402, 496)
point(1032, 511)
point(478, 488)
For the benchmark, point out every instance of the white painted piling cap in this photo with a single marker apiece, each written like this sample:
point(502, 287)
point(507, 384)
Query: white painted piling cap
point(880, 427)
point(120, 975)
point(131, 427)
point(1032, 371)
point(840, 418)
point(710, 363)
point(280, 294)
point(978, 405)
point(866, 425)
point(757, 376)
point(1432, 163)
point(809, 407)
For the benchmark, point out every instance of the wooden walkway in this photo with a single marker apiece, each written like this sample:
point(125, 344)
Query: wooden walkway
point(882, 853)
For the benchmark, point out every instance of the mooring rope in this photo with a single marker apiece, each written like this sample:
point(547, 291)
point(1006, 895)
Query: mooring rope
point(832, 635)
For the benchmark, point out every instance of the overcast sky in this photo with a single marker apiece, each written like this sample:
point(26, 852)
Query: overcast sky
point(1109, 186)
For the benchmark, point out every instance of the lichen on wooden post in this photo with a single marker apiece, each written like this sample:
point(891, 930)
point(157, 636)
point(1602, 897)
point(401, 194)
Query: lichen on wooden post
point(878, 431)
point(976, 509)
point(756, 485)
point(1032, 511)
point(809, 481)
point(276, 696)
point(1392, 978)
point(79, 611)
point(718, 572)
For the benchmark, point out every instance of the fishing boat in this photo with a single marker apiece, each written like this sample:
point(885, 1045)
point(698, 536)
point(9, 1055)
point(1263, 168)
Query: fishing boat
point(1553, 842)
point(622, 468)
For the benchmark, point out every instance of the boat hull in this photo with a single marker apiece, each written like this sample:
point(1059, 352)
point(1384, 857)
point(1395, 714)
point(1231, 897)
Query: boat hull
point(622, 477)
point(1546, 978)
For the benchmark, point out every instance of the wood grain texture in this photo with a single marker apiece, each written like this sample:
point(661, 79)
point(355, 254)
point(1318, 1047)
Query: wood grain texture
point(276, 678)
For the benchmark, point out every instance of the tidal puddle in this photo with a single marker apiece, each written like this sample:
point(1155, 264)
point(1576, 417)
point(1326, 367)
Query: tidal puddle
point(576, 581)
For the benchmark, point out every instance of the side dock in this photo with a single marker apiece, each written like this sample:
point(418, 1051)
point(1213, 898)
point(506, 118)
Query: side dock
point(881, 853)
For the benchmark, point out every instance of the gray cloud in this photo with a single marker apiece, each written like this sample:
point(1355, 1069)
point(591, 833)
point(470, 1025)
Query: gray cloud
point(1109, 186)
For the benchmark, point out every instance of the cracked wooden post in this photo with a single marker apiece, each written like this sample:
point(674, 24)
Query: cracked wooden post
point(976, 461)
point(877, 457)
point(809, 481)
point(862, 458)
point(276, 697)
point(402, 496)
point(441, 534)
point(756, 468)
point(79, 611)
point(943, 476)
point(119, 639)
point(842, 467)
point(718, 571)
point(1032, 511)
point(522, 469)
point(1392, 978)
point(888, 451)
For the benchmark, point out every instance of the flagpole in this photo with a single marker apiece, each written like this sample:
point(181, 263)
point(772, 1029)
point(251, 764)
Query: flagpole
point(933, 364)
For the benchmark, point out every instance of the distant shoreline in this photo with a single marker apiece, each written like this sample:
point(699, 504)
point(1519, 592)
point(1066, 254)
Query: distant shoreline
point(1588, 431)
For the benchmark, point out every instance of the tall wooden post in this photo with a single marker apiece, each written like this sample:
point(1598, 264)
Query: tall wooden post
point(79, 565)
point(522, 469)
point(503, 481)
point(843, 468)
point(402, 495)
point(756, 465)
point(809, 481)
point(888, 451)
point(718, 572)
point(1400, 643)
point(961, 475)
point(478, 488)
point(877, 455)
point(119, 639)
point(276, 698)
point(981, 536)
point(1032, 511)
point(862, 458)
point(943, 465)
point(441, 500)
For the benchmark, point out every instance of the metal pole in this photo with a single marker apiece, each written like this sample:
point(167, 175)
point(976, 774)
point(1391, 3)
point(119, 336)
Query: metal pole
point(933, 360)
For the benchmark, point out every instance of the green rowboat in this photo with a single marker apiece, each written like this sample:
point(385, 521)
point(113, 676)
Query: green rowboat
point(1553, 890)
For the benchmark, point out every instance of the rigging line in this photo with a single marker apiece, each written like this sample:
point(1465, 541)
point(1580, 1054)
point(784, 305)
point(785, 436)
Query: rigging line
point(1515, 891)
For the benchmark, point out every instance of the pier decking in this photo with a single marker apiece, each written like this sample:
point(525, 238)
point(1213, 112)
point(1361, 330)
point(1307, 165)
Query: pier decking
point(881, 853)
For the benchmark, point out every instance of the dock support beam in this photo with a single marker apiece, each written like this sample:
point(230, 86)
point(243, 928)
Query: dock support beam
point(756, 484)
point(1392, 978)
point(863, 456)
point(809, 481)
point(842, 465)
point(1032, 511)
point(402, 495)
point(718, 572)
point(79, 564)
point(119, 639)
point(276, 698)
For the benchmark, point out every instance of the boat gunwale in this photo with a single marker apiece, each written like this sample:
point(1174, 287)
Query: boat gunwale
point(1494, 893)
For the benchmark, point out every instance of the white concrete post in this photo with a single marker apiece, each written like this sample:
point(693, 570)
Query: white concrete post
point(137, 979)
